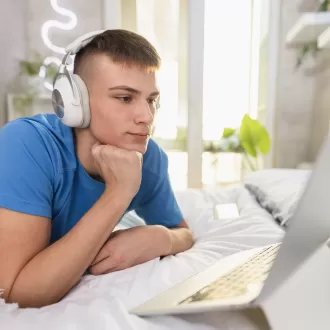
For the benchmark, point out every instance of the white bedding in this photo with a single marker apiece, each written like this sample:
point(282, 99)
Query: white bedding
point(102, 302)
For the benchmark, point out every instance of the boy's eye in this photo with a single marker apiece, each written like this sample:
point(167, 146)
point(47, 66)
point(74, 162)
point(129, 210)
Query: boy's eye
point(125, 99)
point(153, 102)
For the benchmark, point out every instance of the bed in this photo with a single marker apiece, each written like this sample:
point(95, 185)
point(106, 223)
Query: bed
point(103, 302)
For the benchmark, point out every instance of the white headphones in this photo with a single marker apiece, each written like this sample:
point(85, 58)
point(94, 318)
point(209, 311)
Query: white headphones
point(70, 97)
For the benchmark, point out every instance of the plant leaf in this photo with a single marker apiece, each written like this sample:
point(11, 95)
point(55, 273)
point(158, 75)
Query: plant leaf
point(228, 132)
point(254, 136)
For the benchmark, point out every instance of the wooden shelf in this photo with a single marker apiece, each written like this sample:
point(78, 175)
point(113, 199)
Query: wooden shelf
point(308, 28)
point(323, 42)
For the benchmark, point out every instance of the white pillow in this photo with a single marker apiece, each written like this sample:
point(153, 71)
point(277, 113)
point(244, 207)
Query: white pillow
point(278, 190)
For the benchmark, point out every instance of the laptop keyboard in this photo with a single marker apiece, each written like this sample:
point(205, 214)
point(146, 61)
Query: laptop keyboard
point(236, 282)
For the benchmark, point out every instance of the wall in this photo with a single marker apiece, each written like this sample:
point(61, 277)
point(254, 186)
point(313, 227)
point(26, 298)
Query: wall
point(24, 18)
point(294, 98)
point(13, 41)
point(321, 105)
point(89, 18)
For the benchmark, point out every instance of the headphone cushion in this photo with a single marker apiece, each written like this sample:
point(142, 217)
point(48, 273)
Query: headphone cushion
point(84, 100)
point(72, 111)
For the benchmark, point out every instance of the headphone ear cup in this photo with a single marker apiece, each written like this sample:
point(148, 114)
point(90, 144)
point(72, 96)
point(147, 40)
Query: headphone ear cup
point(84, 100)
point(67, 107)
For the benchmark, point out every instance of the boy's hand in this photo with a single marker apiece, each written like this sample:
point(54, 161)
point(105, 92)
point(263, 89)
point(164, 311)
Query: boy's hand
point(130, 247)
point(120, 169)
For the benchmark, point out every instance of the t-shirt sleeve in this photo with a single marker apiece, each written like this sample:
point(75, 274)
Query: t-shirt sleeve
point(26, 180)
point(161, 207)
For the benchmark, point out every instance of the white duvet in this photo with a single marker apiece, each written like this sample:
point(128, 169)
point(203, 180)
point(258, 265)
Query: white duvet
point(103, 302)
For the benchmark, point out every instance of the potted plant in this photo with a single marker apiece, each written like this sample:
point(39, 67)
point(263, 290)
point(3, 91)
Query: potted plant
point(29, 85)
point(251, 140)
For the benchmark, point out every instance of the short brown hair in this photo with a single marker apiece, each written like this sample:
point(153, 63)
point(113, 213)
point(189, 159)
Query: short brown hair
point(122, 46)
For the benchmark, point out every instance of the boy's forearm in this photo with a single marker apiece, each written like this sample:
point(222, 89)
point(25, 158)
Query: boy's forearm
point(55, 270)
point(181, 239)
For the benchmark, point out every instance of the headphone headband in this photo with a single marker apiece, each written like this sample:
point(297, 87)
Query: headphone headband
point(74, 47)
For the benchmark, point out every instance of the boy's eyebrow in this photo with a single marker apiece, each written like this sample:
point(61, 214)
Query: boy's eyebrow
point(125, 88)
point(156, 93)
point(131, 90)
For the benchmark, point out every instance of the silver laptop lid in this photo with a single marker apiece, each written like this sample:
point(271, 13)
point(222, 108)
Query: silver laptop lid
point(309, 227)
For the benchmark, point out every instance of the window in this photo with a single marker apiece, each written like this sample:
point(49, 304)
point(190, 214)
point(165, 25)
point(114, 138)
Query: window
point(232, 42)
point(227, 58)
point(163, 23)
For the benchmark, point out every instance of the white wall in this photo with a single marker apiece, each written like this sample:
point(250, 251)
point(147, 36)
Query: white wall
point(13, 43)
point(89, 18)
point(294, 98)
point(321, 106)
point(20, 32)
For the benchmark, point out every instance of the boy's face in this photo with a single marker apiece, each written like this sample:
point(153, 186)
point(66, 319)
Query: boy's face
point(123, 102)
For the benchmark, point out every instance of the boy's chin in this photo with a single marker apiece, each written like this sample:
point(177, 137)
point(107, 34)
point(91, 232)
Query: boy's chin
point(141, 147)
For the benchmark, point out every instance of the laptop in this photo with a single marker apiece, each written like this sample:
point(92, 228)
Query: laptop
point(289, 282)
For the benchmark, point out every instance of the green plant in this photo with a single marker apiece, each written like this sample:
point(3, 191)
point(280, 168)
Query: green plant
point(31, 67)
point(22, 103)
point(51, 71)
point(28, 84)
point(324, 5)
point(251, 139)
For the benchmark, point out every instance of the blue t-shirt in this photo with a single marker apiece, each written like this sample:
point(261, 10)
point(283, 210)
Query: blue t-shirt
point(41, 174)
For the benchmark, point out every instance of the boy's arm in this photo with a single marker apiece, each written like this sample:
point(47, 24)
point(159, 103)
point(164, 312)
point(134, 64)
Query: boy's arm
point(181, 238)
point(31, 272)
point(35, 275)
point(161, 207)
point(128, 247)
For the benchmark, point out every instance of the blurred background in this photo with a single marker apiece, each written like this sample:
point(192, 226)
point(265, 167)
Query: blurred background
point(244, 83)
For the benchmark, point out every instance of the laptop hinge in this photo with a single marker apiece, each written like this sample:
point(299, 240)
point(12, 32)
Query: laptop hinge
point(257, 317)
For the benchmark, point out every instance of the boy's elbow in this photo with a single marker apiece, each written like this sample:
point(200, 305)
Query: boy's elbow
point(28, 299)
